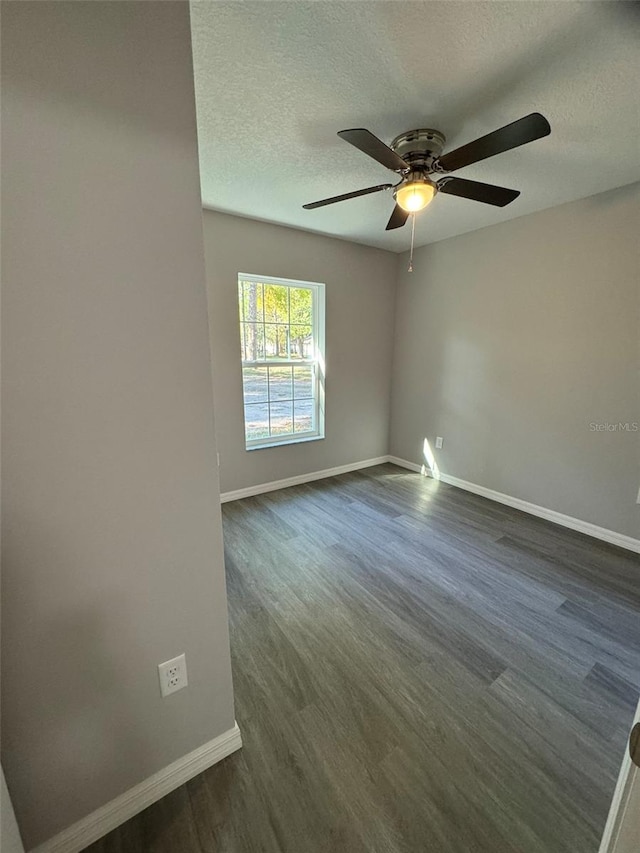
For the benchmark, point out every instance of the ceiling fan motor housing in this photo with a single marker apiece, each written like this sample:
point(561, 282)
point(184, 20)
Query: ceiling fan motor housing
point(420, 148)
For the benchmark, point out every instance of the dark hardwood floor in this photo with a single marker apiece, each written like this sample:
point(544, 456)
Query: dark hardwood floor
point(417, 670)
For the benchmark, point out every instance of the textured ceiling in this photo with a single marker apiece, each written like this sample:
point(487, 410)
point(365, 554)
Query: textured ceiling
point(276, 80)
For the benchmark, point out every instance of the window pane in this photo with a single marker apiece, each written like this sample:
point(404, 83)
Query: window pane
point(303, 416)
point(277, 341)
point(302, 382)
point(301, 305)
point(270, 341)
point(280, 383)
point(251, 301)
point(301, 341)
point(256, 421)
point(283, 341)
point(252, 341)
point(243, 347)
point(281, 418)
point(260, 342)
point(276, 303)
point(254, 381)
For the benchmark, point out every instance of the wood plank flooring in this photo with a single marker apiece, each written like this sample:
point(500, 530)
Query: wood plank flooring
point(417, 670)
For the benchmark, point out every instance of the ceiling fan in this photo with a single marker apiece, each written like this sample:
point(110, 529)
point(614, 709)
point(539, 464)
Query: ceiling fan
point(415, 156)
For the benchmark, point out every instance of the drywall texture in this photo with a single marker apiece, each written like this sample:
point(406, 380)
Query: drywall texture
point(360, 289)
point(112, 544)
point(517, 343)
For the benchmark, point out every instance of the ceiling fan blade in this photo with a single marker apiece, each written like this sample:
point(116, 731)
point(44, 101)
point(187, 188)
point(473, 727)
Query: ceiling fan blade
point(398, 218)
point(487, 193)
point(346, 196)
point(369, 144)
point(526, 129)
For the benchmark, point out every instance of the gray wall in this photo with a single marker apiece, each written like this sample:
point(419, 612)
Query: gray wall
point(512, 340)
point(360, 288)
point(9, 833)
point(112, 556)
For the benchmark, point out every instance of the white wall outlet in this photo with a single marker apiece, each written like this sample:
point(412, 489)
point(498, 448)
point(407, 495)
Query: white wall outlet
point(439, 441)
point(173, 675)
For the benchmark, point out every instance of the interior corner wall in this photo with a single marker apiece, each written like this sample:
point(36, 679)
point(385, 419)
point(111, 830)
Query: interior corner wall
point(519, 344)
point(360, 293)
point(112, 549)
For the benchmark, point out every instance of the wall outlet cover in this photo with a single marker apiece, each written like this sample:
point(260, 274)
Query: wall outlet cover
point(439, 441)
point(173, 675)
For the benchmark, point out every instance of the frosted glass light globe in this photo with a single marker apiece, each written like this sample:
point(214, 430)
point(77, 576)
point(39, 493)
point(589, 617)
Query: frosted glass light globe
point(415, 195)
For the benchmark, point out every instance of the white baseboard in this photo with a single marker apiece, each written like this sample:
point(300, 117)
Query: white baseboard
point(402, 463)
point(586, 527)
point(603, 533)
point(108, 817)
point(621, 801)
point(260, 489)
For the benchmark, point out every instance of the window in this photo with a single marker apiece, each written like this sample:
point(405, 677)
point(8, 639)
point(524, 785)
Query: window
point(282, 340)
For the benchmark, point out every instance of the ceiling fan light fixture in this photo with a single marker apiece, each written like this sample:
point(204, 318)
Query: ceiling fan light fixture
point(416, 154)
point(415, 194)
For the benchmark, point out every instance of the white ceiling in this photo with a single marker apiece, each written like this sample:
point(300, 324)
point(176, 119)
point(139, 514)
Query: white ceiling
point(276, 80)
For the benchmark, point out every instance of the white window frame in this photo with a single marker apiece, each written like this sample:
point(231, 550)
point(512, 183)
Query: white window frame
point(317, 362)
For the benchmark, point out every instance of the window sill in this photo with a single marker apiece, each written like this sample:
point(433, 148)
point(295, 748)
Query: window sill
point(284, 442)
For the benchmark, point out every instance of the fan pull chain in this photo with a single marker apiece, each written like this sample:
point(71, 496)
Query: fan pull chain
point(413, 232)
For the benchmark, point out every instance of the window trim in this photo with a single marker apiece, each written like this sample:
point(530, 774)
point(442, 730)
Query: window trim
point(318, 362)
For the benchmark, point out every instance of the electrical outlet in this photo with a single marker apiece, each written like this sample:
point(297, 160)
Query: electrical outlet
point(173, 675)
point(439, 441)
